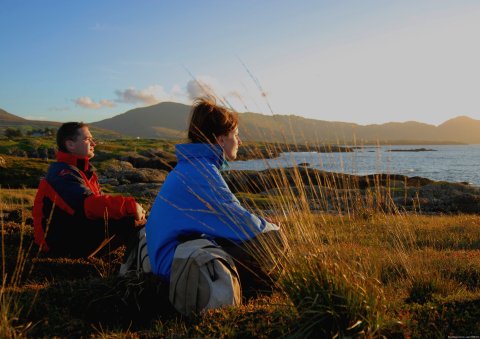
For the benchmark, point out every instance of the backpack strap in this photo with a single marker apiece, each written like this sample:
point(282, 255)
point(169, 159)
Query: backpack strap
point(191, 289)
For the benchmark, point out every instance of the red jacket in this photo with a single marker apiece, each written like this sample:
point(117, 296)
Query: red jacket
point(70, 196)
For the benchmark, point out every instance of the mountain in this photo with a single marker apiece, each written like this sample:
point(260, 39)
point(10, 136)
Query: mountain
point(169, 120)
point(8, 120)
point(462, 128)
point(5, 116)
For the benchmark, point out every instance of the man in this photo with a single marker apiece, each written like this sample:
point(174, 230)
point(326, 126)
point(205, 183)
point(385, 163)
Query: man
point(71, 216)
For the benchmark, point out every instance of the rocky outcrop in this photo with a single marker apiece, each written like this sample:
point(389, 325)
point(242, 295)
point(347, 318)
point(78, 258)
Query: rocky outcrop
point(35, 153)
point(155, 159)
point(144, 190)
point(123, 172)
point(258, 181)
point(273, 150)
point(327, 191)
point(447, 197)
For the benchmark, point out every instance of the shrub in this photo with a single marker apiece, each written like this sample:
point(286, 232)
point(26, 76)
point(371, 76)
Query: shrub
point(333, 300)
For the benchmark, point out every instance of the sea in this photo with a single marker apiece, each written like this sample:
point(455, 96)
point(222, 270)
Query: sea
point(453, 163)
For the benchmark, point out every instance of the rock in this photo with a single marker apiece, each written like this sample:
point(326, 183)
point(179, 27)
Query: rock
point(108, 181)
point(412, 150)
point(336, 192)
point(124, 173)
point(269, 151)
point(145, 190)
point(156, 159)
point(450, 198)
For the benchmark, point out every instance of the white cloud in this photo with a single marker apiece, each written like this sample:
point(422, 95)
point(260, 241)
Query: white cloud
point(87, 102)
point(147, 96)
point(107, 103)
point(204, 85)
point(209, 86)
point(151, 95)
point(33, 117)
point(197, 88)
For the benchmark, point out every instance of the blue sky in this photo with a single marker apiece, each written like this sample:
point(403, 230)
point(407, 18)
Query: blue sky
point(357, 61)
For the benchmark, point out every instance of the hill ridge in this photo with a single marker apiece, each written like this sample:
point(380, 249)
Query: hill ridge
point(169, 120)
point(293, 128)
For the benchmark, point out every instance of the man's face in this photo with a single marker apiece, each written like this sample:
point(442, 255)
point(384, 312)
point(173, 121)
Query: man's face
point(82, 145)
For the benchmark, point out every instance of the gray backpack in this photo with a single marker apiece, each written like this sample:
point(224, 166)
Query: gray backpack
point(203, 276)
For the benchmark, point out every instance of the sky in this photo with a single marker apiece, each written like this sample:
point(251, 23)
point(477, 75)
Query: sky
point(367, 62)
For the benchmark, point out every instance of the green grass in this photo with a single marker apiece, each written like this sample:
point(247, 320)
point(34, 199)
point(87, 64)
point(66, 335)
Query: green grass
point(22, 172)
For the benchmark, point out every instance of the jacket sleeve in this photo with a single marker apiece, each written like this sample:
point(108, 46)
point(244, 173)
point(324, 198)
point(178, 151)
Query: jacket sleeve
point(239, 223)
point(73, 189)
point(101, 206)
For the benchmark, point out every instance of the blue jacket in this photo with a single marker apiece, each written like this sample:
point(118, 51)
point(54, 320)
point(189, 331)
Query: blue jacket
point(195, 200)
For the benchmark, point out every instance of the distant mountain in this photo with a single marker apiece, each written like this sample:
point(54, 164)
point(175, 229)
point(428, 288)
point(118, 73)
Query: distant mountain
point(8, 120)
point(5, 116)
point(169, 120)
point(462, 128)
point(166, 120)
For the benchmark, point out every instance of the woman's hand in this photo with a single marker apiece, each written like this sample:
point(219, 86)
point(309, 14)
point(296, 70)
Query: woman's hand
point(272, 221)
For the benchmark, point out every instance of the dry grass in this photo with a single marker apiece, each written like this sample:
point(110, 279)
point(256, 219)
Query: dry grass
point(364, 269)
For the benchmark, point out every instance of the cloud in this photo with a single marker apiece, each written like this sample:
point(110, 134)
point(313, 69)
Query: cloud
point(151, 95)
point(154, 94)
point(202, 86)
point(148, 96)
point(208, 86)
point(33, 117)
point(87, 102)
point(107, 103)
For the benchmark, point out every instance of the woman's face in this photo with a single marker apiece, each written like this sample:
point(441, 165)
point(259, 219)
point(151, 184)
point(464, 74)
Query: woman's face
point(230, 143)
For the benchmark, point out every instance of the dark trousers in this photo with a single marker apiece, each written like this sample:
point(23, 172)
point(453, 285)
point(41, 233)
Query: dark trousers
point(252, 259)
point(81, 239)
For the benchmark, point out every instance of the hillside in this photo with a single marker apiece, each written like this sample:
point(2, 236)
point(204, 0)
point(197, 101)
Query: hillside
point(5, 116)
point(169, 120)
point(166, 120)
point(468, 128)
point(8, 120)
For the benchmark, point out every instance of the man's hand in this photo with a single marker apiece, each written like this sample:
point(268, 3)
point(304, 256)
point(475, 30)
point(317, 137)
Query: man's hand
point(140, 219)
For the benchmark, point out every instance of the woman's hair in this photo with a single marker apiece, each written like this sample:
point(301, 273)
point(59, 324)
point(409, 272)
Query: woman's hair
point(68, 131)
point(208, 121)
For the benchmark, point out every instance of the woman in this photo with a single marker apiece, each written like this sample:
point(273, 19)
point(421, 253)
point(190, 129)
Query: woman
point(196, 202)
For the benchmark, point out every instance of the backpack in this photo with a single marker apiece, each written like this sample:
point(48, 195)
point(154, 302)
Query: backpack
point(137, 258)
point(203, 276)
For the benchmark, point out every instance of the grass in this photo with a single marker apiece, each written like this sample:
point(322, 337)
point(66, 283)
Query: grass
point(20, 172)
point(365, 268)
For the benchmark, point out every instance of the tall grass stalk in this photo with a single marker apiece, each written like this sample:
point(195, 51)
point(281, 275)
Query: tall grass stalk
point(10, 306)
point(334, 295)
